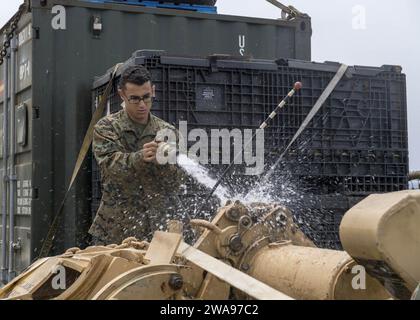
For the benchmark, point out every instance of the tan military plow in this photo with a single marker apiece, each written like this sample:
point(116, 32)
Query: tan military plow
point(246, 252)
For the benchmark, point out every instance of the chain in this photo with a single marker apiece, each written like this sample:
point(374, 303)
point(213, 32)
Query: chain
point(9, 33)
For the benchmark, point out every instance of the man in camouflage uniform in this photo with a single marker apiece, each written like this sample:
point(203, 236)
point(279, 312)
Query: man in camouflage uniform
point(139, 195)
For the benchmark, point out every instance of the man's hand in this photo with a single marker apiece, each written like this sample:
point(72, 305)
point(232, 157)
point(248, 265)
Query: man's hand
point(149, 151)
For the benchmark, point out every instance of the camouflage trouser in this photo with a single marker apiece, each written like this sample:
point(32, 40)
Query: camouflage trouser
point(160, 211)
point(114, 224)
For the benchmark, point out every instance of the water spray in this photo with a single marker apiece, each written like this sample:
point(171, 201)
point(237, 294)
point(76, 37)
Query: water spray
point(297, 86)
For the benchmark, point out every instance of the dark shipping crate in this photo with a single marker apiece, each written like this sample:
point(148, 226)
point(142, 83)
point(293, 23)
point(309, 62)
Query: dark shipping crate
point(355, 145)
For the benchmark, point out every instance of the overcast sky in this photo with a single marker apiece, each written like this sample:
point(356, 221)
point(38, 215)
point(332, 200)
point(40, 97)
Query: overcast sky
point(362, 32)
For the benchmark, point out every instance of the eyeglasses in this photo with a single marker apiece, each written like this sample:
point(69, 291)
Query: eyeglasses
point(147, 99)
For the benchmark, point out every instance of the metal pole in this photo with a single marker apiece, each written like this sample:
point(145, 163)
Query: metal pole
point(281, 6)
point(12, 178)
point(4, 198)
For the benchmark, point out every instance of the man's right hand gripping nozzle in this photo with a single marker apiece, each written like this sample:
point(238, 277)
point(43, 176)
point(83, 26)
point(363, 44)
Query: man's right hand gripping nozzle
point(149, 151)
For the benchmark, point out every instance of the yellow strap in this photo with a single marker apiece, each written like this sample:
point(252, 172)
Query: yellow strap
point(97, 115)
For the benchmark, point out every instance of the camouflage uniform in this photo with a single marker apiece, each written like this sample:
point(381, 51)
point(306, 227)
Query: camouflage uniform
point(138, 197)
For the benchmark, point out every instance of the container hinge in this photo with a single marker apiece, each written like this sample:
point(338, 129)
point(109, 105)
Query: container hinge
point(17, 246)
point(35, 112)
point(35, 193)
point(35, 32)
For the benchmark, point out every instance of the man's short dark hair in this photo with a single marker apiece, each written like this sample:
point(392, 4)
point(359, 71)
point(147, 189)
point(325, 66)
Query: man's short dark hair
point(138, 75)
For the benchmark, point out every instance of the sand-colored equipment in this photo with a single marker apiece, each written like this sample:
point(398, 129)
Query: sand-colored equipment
point(382, 234)
point(245, 252)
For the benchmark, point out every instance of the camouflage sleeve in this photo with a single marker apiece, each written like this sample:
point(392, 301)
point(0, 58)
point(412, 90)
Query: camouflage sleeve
point(109, 153)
